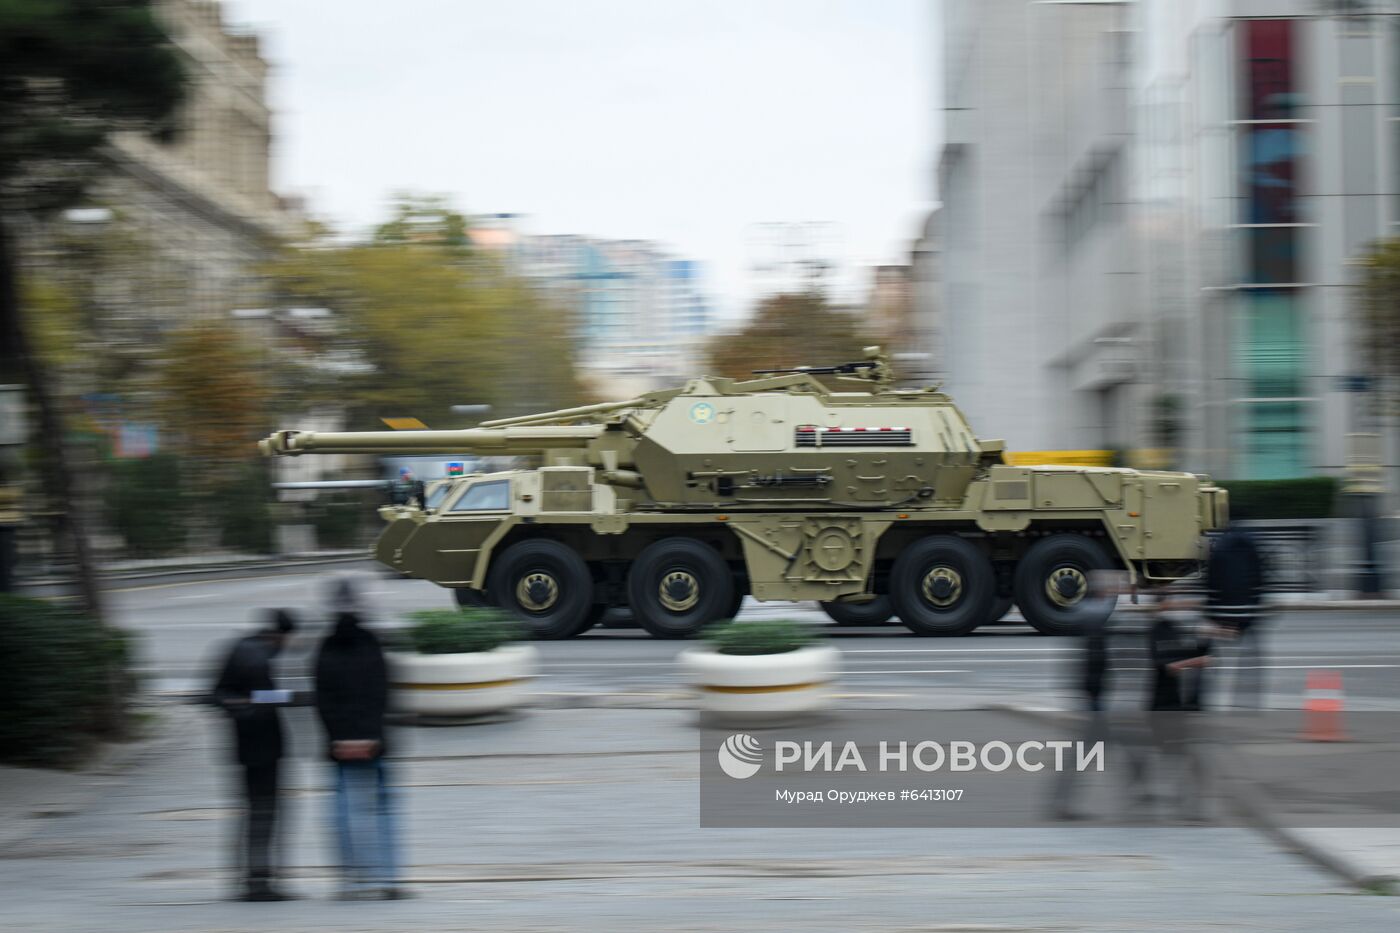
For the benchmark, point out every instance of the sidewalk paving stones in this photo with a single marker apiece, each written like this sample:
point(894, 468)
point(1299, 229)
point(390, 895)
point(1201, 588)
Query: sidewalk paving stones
point(587, 819)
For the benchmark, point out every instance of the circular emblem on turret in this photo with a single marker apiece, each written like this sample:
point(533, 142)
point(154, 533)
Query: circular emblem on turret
point(702, 413)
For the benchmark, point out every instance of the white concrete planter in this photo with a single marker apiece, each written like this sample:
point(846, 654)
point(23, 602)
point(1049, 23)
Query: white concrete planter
point(461, 684)
point(760, 685)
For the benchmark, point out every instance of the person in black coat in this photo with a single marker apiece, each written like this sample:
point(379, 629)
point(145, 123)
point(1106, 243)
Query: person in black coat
point(352, 691)
point(246, 692)
point(1235, 578)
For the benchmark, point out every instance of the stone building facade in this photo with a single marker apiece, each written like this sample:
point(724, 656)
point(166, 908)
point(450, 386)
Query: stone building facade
point(201, 205)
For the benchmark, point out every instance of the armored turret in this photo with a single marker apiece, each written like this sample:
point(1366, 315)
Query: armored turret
point(780, 441)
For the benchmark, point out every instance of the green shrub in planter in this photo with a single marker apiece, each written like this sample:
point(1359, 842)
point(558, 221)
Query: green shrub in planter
point(65, 684)
point(776, 637)
point(448, 631)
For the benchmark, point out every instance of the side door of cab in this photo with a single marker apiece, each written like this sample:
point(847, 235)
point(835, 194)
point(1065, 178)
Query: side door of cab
point(444, 549)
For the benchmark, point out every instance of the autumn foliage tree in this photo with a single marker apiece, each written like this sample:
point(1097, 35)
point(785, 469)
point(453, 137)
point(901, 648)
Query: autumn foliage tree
point(789, 330)
point(213, 399)
point(431, 322)
point(212, 396)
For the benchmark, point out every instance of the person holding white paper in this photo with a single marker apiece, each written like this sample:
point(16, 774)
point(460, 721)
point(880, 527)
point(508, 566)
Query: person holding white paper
point(245, 690)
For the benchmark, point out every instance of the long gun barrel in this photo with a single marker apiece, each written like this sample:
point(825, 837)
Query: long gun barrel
point(515, 440)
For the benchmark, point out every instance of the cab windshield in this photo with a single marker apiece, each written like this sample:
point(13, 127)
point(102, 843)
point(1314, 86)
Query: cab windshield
point(483, 497)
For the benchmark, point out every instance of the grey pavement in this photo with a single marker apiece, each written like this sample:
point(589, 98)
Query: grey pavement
point(587, 819)
point(582, 813)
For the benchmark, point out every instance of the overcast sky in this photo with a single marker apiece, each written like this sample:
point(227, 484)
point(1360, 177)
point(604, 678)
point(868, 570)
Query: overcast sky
point(676, 120)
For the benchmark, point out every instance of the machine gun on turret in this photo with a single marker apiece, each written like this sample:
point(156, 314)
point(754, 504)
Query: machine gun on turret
point(874, 368)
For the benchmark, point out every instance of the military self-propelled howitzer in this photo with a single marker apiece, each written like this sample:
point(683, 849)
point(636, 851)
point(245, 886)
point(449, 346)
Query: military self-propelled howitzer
point(874, 502)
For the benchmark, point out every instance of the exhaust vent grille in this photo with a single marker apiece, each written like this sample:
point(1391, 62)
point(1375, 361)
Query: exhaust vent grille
point(809, 435)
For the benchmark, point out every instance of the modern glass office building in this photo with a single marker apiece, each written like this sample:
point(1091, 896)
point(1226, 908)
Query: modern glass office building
point(1179, 191)
point(1282, 114)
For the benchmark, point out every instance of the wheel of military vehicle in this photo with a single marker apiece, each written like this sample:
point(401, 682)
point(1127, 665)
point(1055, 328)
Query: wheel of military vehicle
point(679, 585)
point(595, 615)
point(547, 585)
point(942, 585)
point(1052, 584)
point(470, 599)
point(1001, 605)
point(876, 612)
point(736, 604)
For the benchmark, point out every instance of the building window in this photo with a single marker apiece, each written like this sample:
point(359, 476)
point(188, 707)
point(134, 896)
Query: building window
point(1270, 361)
point(1269, 334)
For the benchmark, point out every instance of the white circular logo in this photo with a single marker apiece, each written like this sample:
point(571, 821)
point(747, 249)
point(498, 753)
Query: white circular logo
point(741, 756)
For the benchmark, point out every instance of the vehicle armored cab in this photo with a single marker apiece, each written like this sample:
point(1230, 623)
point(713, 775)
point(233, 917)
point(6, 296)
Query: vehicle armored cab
point(874, 501)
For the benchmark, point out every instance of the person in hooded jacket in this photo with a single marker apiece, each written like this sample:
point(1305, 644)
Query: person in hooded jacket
point(246, 692)
point(352, 690)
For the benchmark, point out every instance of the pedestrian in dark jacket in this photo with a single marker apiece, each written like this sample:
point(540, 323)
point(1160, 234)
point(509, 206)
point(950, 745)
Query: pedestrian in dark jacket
point(352, 690)
point(1235, 574)
point(246, 691)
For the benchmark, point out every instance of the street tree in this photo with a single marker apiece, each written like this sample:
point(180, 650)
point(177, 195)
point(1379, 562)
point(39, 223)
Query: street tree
point(424, 322)
point(212, 399)
point(423, 218)
point(72, 73)
point(1378, 309)
point(789, 330)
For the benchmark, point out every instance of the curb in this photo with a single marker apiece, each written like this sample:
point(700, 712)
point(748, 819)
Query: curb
point(1301, 605)
point(194, 572)
point(1328, 858)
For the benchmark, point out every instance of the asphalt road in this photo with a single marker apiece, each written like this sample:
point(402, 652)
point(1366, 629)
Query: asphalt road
point(183, 626)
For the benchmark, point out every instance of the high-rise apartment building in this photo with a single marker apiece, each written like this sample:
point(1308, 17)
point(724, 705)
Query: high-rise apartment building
point(641, 315)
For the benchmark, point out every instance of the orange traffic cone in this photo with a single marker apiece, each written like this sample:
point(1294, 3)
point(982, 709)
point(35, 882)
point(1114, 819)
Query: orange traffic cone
point(1322, 707)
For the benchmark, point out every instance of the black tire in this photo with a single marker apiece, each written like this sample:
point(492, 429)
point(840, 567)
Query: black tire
point(876, 612)
point(736, 604)
point(471, 599)
point(1064, 562)
point(942, 585)
point(546, 584)
point(699, 587)
point(595, 615)
point(1001, 605)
